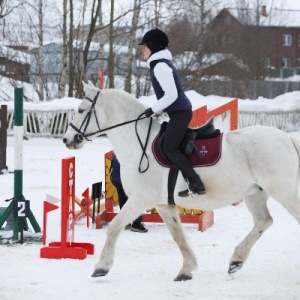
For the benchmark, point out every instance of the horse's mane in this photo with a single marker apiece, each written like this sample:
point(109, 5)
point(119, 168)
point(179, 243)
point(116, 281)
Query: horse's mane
point(124, 99)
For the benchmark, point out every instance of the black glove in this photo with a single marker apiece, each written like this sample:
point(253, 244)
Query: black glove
point(149, 112)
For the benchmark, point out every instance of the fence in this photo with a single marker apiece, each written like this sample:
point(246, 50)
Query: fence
point(55, 123)
point(43, 123)
point(283, 120)
point(249, 89)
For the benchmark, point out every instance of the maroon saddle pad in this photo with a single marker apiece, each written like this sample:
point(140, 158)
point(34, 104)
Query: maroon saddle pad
point(210, 152)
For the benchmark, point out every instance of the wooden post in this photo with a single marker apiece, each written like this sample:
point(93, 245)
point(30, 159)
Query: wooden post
point(3, 137)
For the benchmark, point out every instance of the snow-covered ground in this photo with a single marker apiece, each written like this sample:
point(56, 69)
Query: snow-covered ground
point(145, 264)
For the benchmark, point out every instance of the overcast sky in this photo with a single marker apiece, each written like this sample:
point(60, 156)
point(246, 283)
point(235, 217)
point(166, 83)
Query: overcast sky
point(290, 4)
point(285, 4)
point(294, 3)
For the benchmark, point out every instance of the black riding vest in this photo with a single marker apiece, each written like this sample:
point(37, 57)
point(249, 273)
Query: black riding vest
point(182, 102)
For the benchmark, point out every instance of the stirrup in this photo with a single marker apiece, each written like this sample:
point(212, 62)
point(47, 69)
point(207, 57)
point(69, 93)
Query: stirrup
point(189, 193)
point(185, 193)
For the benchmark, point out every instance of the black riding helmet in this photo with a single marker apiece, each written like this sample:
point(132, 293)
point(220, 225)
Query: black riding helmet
point(155, 40)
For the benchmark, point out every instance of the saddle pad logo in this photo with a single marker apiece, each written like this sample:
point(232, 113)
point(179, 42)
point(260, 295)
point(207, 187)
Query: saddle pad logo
point(203, 151)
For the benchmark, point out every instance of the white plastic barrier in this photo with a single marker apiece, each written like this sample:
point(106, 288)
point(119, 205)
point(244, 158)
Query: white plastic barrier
point(43, 123)
point(55, 123)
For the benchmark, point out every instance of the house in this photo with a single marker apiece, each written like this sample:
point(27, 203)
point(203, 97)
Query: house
point(52, 63)
point(267, 42)
point(53, 66)
point(14, 62)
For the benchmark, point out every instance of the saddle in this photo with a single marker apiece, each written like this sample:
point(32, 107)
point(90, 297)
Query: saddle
point(202, 146)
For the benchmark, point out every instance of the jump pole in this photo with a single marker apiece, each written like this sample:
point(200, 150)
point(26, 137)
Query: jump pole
point(19, 206)
point(66, 247)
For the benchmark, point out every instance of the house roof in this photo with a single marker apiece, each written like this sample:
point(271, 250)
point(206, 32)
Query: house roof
point(274, 17)
point(188, 60)
point(94, 46)
point(14, 55)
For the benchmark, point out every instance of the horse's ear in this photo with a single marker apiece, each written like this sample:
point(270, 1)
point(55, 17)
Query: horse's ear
point(85, 86)
point(91, 84)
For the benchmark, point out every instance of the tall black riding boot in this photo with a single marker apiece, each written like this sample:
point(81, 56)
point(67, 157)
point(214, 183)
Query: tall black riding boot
point(182, 163)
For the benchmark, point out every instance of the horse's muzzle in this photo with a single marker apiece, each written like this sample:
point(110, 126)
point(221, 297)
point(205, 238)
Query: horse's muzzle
point(76, 143)
point(78, 138)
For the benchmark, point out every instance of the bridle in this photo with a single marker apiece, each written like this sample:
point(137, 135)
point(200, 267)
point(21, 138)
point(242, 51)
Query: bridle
point(81, 131)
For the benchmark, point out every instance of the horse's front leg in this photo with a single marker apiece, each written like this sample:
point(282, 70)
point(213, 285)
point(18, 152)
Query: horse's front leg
point(257, 205)
point(170, 215)
point(127, 214)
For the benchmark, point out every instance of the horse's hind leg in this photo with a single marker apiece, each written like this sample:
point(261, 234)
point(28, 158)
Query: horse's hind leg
point(170, 215)
point(257, 205)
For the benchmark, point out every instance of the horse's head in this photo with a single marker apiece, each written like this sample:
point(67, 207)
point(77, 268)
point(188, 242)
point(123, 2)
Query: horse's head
point(85, 124)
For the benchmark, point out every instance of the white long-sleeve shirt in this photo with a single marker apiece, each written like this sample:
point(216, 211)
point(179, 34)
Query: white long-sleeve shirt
point(164, 75)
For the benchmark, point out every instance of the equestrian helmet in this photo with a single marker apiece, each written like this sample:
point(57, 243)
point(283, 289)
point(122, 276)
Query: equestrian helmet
point(155, 36)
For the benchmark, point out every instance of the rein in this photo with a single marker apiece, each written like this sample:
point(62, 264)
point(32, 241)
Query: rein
point(84, 135)
point(81, 134)
point(144, 154)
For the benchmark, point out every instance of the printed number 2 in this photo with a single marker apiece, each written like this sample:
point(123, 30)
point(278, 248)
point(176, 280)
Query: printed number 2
point(22, 209)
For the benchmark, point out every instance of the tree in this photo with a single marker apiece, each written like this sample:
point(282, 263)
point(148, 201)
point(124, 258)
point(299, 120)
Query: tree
point(101, 41)
point(250, 48)
point(111, 61)
point(94, 16)
point(157, 9)
point(27, 27)
point(186, 32)
point(132, 43)
point(40, 55)
point(63, 77)
point(8, 6)
point(70, 46)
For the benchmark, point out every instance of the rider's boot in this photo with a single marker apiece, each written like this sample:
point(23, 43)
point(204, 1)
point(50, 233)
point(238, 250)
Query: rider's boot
point(182, 163)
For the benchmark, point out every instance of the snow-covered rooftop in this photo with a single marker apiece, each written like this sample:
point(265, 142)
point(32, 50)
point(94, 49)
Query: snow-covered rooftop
point(14, 55)
point(274, 17)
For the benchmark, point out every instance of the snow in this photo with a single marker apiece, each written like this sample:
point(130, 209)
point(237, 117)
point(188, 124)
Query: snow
point(145, 264)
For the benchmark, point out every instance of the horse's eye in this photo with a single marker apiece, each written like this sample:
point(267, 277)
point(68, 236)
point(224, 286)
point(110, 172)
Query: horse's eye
point(80, 110)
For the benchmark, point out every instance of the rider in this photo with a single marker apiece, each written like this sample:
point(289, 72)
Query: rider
point(171, 99)
point(137, 225)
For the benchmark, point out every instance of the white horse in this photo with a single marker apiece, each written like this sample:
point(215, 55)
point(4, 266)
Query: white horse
point(256, 162)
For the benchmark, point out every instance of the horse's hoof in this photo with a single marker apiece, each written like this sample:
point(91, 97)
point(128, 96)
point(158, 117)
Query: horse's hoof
point(99, 272)
point(235, 266)
point(183, 277)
